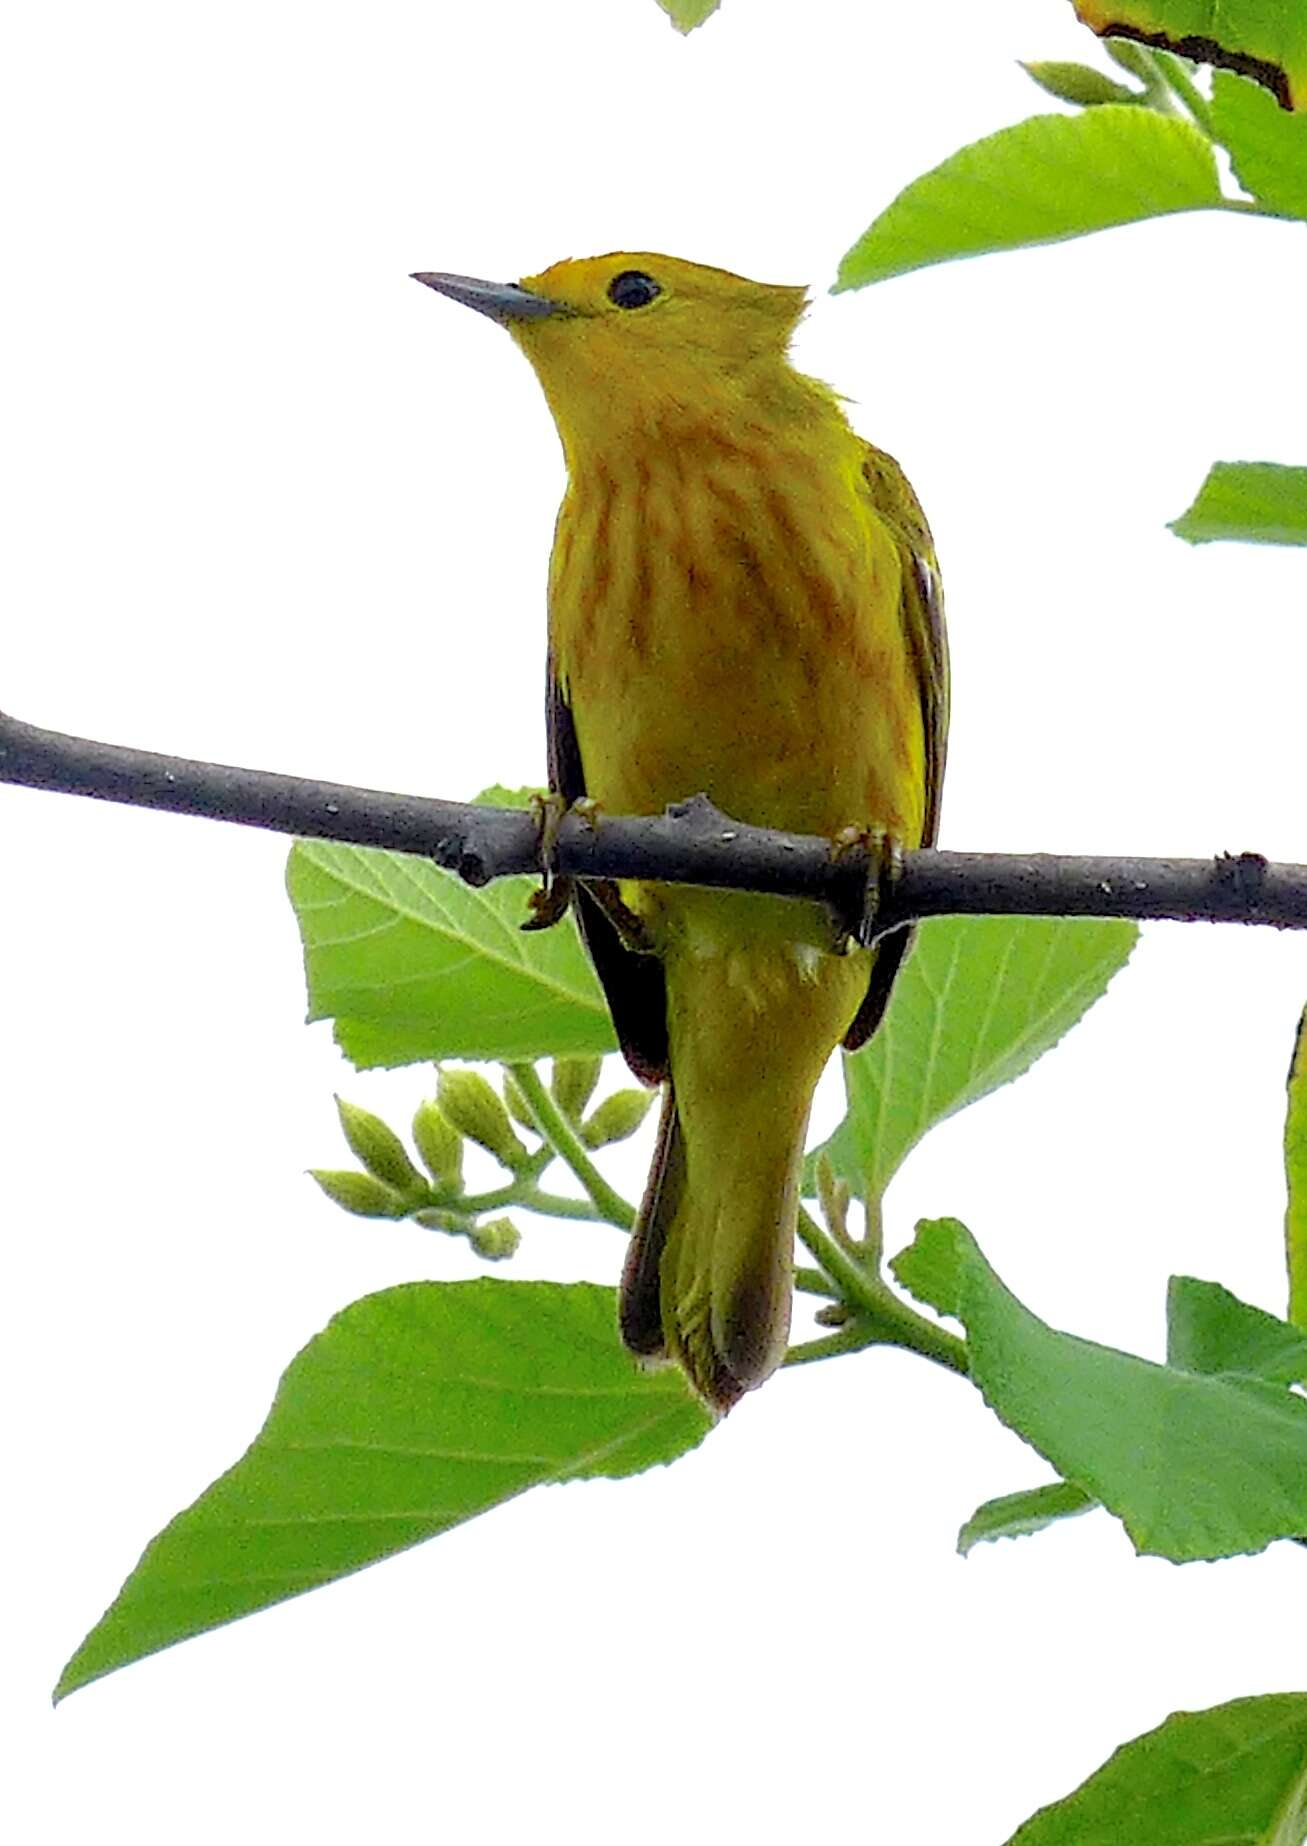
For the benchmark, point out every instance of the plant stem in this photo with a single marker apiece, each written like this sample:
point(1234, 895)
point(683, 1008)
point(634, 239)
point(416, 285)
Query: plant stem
point(873, 1242)
point(813, 1282)
point(1181, 84)
point(849, 1339)
point(878, 1310)
point(852, 1281)
point(610, 1206)
point(557, 1205)
point(529, 1198)
point(543, 1157)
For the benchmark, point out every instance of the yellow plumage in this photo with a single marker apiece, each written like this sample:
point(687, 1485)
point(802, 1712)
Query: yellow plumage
point(742, 603)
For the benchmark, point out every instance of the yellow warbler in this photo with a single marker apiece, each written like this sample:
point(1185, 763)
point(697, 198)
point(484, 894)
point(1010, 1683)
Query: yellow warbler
point(743, 602)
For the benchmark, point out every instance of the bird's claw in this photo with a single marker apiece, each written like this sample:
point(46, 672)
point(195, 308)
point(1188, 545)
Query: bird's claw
point(549, 903)
point(552, 898)
point(874, 858)
point(630, 927)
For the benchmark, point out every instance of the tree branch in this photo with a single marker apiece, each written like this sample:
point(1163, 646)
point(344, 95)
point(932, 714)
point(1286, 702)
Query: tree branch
point(692, 843)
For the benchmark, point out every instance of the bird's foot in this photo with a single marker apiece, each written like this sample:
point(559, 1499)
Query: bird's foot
point(874, 860)
point(631, 928)
point(552, 898)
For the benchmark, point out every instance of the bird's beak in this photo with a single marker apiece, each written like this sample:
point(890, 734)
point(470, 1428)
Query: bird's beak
point(502, 301)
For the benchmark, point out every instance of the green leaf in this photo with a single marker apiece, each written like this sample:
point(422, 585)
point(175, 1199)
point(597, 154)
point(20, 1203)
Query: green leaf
point(499, 795)
point(1193, 1466)
point(413, 964)
point(1052, 177)
point(1016, 1515)
point(1080, 84)
point(1266, 39)
point(1267, 145)
point(978, 1001)
point(415, 1409)
point(1295, 1173)
point(1260, 503)
point(1131, 57)
point(685, 15)
point(1233, 1775)
point(1211, 1330)
point(931, 1267)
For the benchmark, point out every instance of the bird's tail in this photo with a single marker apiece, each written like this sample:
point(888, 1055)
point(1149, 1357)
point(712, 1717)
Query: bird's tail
point(709, 1274)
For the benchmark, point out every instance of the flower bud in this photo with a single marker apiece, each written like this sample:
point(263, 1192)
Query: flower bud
point(378, 1147)
point(617, 1116)
point(834, 1195)
point(440, 1146)
point(496, 1239)
point(572, 1081)
point(1132, 57)
point(359, 1193)
point(431, 1218)
point(475, 1110)
point(1079, 83)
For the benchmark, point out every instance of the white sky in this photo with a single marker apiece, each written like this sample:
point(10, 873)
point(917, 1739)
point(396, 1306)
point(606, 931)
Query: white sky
point(270, 502)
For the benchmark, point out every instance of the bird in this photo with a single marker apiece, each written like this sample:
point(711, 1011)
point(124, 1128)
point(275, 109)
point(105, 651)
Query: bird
point(744, 603)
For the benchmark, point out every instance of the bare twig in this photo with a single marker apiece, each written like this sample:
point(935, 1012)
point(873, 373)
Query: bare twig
point(692, 843)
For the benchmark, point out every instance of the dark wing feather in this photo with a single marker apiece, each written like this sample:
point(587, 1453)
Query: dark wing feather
point(922, 612)
point(633, 984)
point(640, 1299)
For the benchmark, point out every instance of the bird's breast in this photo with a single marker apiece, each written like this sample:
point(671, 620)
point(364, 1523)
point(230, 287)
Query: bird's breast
point(726, 619)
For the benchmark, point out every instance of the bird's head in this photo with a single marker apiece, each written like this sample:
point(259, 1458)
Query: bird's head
point(634, 340)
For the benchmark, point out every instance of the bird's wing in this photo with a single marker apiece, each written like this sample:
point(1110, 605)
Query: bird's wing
point(633, 984)
point(921, 610)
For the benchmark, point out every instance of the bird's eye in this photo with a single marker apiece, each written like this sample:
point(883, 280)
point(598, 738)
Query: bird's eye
point(632, 289)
